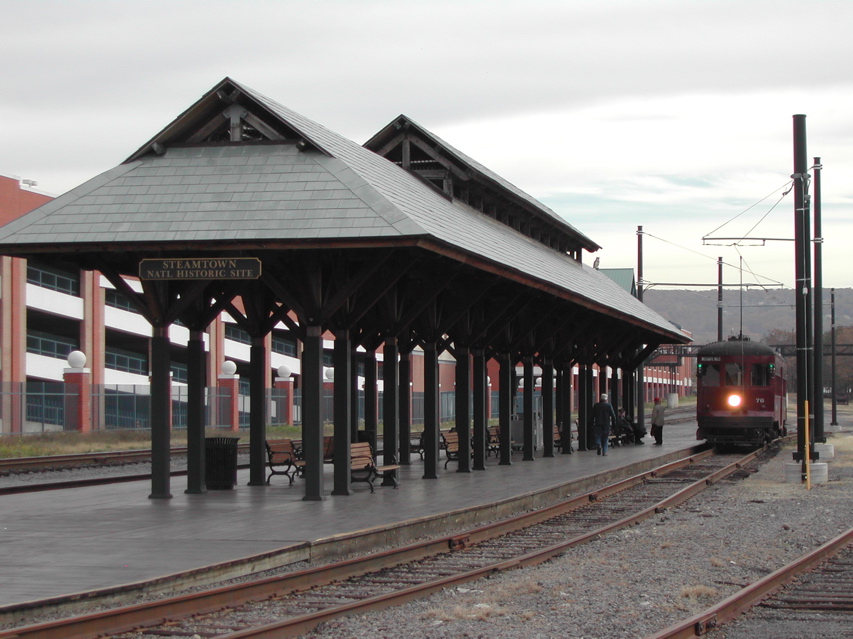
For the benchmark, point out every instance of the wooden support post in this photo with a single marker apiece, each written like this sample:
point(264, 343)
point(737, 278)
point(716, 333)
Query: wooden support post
point(390, 408)
point(568, 376)
point(196, 382)
point(405, 406)
point(342, 414)
point(371, 394)
point(529, 388)
point(161, 399)
point(431, 411)
point(257, 411)
point(463, 407)
point(505, 391)
point(479, 410)
point(312, 421)
point(548, 408)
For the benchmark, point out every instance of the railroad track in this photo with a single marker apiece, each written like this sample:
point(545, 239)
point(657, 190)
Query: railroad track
point(122, 457)
point(54, 463)
point(78, 460)
point(814, 592)
point(291, 604)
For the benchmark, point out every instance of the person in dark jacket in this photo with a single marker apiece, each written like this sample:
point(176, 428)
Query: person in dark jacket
point(637, 432)
point(603, 417)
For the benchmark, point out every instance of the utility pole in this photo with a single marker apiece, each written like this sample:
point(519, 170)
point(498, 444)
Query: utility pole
point(818, 310)
point(834, 382)
point(641, 390)
point(803, 297)
point(719, 299)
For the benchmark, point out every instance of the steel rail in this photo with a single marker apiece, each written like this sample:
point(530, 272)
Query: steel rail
point(296, 626)
point(81, 460)
point(146, 614)
point(744, 599)
point(78, 459)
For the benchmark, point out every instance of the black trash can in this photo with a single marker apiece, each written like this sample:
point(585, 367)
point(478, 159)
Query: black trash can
point(220, 462)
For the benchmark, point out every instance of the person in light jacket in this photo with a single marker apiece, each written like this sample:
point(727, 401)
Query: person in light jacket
point(657, 421)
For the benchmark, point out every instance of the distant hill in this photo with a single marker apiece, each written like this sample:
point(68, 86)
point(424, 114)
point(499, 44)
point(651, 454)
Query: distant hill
point(696, 311)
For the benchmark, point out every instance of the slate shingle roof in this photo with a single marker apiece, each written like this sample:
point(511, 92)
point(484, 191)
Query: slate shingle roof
point(221, 194)
point(473, 166)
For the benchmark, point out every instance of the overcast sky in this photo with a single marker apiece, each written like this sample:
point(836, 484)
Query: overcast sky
point(674, 115)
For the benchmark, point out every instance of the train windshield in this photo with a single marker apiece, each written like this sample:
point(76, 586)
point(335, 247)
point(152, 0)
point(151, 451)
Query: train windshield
point(717, 374)
point(761, 374)
point(734, 374)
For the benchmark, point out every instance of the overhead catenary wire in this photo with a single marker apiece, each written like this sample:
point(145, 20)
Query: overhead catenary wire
point(789, 184)
point(769, 281)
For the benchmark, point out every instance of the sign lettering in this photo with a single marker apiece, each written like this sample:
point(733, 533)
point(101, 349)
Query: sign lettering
point(201, 268)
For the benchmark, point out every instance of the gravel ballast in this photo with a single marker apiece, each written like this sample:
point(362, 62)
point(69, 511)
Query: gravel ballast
point(640, 580)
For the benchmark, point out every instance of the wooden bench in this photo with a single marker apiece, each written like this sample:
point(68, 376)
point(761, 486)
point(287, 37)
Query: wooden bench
point(493, 441)
point(451, 446)
point(364, 468)
point(282, 459)
point(328, 449)
point(416, 444)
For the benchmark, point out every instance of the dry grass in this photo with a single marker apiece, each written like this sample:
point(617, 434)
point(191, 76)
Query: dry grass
point(481, 605)
point(698, 592)
point(475, 612)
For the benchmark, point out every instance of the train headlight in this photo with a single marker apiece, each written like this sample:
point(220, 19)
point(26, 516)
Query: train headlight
point(734, 400)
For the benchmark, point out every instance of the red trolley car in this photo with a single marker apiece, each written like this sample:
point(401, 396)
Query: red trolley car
point(742, 393)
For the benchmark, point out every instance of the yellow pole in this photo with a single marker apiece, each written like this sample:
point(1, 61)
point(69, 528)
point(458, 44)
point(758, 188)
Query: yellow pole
point(808, 456)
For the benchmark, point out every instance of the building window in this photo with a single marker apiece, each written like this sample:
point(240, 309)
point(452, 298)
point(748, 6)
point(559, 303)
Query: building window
point(50, 345)
point(118, 359)
point(179, 373)
point(118, 300)
point(283, 345)
point(237, 334)
point(53, 278)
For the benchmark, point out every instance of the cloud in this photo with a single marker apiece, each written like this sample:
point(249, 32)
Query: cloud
point(674, 114)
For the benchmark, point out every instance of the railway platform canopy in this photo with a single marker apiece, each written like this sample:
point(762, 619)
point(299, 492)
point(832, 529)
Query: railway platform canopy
point(241, 205)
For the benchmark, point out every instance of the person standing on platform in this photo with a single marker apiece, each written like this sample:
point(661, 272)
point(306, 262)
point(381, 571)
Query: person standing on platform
point(657, 421)
point(603, 416)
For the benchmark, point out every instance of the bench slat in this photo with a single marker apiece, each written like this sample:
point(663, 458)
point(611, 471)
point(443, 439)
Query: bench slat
point(363, 466)
point(283, 460)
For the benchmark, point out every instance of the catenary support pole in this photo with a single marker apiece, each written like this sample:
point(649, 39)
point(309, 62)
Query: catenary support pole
point(719, 299)
point(802, 290)
point(817, 404)
point(641, 385)
point(834, 378)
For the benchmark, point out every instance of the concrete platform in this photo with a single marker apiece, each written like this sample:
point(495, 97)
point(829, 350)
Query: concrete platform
point(70, 541)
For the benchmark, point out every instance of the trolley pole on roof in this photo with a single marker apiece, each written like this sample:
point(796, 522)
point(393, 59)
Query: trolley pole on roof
point(818, 310)
point(802, 286)
point(641, 390)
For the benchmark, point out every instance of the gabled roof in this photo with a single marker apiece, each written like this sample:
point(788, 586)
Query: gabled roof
point(471, 169)
point(624, 277)
point(292, 181)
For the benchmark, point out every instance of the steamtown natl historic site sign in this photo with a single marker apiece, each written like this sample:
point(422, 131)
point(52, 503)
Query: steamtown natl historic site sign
point(201, 268)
